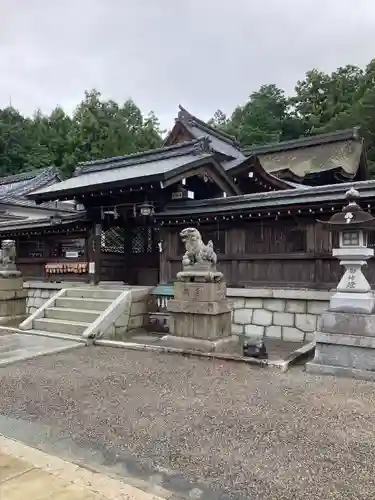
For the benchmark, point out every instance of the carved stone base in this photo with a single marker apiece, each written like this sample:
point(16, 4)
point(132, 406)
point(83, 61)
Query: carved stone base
point(200, 310)
point(200, 326)
point(10, 273)
point(353, 302)
point(202, 276)
point(12, 300)
point(229, 345)
point(345, 345)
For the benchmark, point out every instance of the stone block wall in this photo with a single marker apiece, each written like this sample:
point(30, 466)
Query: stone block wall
point(38, 292)
point(131, 318)
point(289, 315)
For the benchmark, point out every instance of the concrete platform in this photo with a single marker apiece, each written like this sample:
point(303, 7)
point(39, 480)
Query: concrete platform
point(17, 347)
point(29, 473)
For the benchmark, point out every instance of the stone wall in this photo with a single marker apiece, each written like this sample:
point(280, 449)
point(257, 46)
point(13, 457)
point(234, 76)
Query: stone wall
point(290, 315)
point(131, 319)
point(38, 292)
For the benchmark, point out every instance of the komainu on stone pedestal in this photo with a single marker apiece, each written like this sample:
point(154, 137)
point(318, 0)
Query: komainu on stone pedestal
point(199, 260)
point(200, 312)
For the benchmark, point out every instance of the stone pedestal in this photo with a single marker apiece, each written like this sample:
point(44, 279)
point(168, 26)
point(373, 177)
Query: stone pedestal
point(12, 294)
point(345, 345)
point(12, 301)
point(200, 314)
point(354, 292)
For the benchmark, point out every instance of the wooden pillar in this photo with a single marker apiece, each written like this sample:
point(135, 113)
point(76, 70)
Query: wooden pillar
point(128, 276)
point(94, 253)
point(163, 264)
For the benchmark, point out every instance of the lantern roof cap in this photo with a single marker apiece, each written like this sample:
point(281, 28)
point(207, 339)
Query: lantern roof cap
point(352, 216)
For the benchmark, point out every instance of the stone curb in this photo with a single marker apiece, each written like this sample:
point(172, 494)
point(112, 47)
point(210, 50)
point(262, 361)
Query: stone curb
point(95, 482)
point(263, 363)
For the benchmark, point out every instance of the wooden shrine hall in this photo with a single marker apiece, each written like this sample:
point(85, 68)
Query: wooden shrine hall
point(259, 207)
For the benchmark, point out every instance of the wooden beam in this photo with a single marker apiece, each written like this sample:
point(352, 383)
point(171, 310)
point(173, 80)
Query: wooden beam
point(94, 244)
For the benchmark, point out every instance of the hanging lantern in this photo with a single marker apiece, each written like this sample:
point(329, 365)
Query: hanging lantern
point(145, 210)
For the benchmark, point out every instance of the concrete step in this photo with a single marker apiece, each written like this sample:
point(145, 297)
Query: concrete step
point(56, 335)
point(81, 315)
point(60, 326)
point(93, 293)
point(79, 303)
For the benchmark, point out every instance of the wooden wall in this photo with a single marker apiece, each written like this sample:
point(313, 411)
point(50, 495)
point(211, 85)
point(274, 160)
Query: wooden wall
point(35, 251)
point(277, 253)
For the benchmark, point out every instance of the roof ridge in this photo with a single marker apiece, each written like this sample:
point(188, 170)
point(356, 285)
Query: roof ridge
point(185, 115)
point(312, 140)
point(195, 146)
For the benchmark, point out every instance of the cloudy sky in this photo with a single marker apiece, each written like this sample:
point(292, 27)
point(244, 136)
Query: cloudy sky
point(204, 54)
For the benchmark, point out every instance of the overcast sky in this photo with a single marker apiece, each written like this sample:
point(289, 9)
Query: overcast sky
point(204, 54)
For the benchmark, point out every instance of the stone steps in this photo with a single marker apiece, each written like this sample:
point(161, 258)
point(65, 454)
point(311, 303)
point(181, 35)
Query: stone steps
point(76, 311)
point(81, 315)
point(93, 293)
point(90, 312)
point(84, 303)
point(60, 326)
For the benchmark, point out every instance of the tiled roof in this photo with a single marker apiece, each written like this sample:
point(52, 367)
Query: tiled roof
point(284, 198)
point(15, 188)
point(220, 142)
point(303, 158)
point(122, 169)
point(41, 222)
point(303, 142)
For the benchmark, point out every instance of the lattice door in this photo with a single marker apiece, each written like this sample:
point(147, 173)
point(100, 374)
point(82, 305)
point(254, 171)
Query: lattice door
point(112, 240)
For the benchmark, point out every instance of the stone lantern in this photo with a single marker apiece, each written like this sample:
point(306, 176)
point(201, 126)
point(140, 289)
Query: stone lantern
point(353, 224)
point(345, 340)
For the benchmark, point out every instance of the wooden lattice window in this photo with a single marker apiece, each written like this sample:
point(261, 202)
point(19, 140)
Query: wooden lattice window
point(112, 240)
point(145, 240)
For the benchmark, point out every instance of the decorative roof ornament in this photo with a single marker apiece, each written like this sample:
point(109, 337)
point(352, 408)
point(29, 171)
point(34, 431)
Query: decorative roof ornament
point(202, 146)
point(183, 115)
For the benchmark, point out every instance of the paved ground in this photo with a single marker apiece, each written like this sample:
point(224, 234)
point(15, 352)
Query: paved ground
point(239, 431)
point(29, 473)
point(16, 347)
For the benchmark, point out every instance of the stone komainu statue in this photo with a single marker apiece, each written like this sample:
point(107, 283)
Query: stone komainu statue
point(196, 252)
point(8, 254)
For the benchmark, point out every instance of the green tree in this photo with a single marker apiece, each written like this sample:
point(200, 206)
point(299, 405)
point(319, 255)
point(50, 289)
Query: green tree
point(320, 96)
point(264, 118)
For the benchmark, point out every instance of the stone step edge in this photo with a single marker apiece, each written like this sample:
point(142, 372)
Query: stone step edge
point(78, 299)
point(73, 310)
point(63, 321)
point(54, 335)
point(95, 290)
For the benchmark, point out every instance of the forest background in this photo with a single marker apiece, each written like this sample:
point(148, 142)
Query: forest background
point(99, 128)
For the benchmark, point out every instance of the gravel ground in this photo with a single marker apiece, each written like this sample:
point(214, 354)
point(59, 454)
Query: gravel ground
point(255, 433)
